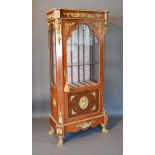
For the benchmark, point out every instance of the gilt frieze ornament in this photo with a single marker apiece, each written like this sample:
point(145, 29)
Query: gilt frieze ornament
point(82, 15)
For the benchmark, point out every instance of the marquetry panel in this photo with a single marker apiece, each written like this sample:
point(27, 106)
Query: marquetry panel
point(82, 103)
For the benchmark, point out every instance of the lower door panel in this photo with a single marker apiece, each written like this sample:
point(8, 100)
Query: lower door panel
point(83, 103)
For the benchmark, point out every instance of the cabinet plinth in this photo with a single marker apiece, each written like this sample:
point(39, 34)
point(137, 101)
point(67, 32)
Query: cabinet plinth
point(76, 66)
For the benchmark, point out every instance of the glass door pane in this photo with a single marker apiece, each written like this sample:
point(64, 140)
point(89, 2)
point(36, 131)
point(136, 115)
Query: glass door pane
point(82, 57)
point(53, 55)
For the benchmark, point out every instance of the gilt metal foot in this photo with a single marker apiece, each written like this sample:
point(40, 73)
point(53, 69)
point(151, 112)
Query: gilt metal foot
point(51, 132)
point(104, 129)
point(60, 141)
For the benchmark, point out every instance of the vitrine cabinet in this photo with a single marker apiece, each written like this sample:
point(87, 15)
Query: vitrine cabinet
point(76, 66)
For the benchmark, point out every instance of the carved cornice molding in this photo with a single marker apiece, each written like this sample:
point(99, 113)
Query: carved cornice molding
point(54, 15)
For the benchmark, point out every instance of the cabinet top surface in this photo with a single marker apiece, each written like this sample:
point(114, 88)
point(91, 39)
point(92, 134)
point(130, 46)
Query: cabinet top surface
point(80, 10)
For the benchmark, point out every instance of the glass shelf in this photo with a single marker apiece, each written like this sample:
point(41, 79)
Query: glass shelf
point(81, 64)
point(82, 84)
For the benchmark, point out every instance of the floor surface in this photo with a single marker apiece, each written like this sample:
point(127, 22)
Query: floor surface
point(89, 142)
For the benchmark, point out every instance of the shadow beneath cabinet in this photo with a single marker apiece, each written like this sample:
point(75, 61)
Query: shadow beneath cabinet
point(113, 121)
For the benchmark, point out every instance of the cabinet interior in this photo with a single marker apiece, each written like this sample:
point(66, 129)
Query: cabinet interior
point(82, 57)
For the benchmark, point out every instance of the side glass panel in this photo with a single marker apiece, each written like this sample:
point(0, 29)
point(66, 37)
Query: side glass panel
point(82, 57)
point(53, 55)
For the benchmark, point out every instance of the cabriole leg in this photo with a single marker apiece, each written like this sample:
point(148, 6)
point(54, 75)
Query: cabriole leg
point(60, 141)
point(104, 130)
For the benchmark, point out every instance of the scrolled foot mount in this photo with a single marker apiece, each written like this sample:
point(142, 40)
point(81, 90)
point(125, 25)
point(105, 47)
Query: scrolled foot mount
point(104, 129)
point(60, 141)
point(51, 132)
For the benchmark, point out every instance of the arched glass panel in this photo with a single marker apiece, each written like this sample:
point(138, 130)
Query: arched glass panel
point(82, 57)
point(52, 55)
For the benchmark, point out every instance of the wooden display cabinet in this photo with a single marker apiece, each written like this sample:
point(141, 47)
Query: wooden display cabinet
point(76, 66)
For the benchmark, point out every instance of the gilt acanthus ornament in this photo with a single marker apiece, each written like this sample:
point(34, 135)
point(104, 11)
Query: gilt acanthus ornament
point(69, 25)
point(58, 29)
point(98, 26)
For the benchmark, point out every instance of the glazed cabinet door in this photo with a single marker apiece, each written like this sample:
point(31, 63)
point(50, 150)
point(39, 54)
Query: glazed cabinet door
point(82, 63)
